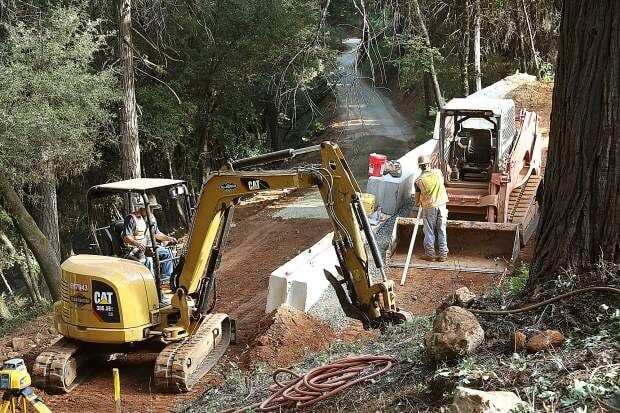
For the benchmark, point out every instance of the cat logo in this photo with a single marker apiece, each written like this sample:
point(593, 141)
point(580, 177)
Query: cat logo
point(103, 297)
point(254, 185)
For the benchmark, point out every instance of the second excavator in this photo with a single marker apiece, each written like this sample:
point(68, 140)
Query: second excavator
point(112, 304)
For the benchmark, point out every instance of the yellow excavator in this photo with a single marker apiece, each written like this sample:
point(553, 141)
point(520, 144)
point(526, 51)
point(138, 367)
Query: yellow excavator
point(113, 304)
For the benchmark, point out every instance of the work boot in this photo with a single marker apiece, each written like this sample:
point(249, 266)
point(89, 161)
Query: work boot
point(428, 257)
point(441, 259)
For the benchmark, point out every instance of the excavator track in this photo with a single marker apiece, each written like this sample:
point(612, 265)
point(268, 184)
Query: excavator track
point(59, 369)
point(522, 199)
point(180, 365)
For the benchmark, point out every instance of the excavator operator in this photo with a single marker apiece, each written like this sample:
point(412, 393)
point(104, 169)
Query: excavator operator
point(135, 236)
point(431, 195)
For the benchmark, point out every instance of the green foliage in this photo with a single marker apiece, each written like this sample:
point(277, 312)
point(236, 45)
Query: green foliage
point(414, 59)
point(52, 102)
point(21, 315)
point(517, 283)
point(424, 125)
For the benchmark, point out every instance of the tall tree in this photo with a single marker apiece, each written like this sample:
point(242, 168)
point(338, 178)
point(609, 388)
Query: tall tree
point(477, 67)
point(35, 239)
point(14, 258)
point(431, 66)
point(526, 17)
point(52, 109)
point(580, 221)
point(464, 50)
point(130, 144)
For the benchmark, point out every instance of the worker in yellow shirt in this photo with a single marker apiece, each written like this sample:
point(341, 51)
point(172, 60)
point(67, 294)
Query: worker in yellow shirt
point(431, 196)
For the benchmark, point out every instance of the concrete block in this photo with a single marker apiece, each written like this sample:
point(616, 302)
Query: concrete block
point(300, 282)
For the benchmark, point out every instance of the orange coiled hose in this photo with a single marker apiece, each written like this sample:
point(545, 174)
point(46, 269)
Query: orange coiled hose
point(319, 383)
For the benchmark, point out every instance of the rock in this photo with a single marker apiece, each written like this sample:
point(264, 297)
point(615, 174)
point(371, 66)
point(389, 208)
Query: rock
point(475, 401)
point(51, 330)
point(263, 341)
point(463, 296)
point(21, 344)
point(518, 341)
point(456, 332)
point(544, 341)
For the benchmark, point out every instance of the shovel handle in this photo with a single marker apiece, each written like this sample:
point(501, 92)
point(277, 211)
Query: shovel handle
point(410, 251)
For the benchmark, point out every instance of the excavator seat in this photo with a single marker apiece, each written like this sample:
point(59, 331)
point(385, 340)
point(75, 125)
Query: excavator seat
point(105, 239)
point(116, 231)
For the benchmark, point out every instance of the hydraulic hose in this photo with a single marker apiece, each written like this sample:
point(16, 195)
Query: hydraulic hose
point(548, 301)
point(319, 383)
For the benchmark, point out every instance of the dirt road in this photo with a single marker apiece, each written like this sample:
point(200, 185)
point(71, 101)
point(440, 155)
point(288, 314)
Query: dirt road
point(367, 122)
point(367, 119)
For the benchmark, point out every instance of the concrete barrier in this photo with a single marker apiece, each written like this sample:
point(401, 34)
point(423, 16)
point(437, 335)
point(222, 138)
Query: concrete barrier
point(300, 282)
point(391, 193)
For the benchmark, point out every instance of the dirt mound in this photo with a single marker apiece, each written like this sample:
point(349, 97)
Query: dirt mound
point(287, 335)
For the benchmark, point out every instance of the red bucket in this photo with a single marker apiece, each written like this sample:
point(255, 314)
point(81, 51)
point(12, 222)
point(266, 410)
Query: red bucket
point(376, 164)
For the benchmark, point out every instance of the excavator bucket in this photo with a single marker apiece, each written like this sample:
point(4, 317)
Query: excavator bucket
point(483, 247)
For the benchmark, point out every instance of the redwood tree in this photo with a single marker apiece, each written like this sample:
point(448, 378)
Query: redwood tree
point(130, 145)
point(580, 221)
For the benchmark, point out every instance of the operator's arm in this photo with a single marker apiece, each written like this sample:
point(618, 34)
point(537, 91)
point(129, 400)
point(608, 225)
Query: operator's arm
point(160, 236)
point(128, 238)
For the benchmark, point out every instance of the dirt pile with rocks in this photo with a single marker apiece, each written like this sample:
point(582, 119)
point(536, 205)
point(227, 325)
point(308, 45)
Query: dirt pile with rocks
point(288, 335)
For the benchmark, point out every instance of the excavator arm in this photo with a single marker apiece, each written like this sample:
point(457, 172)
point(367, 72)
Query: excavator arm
point(373, 303)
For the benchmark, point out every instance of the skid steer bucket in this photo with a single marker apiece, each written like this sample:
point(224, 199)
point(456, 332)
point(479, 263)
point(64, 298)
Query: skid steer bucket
point(483, 247)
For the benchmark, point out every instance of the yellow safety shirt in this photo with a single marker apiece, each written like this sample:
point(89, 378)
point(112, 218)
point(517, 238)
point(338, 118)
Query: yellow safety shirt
point(432, 190)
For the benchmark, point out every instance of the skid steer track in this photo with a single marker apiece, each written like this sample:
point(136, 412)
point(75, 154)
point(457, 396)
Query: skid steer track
point(180, 365)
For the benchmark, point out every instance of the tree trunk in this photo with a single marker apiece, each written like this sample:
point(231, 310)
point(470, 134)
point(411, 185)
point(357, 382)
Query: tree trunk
point(464, 53)
point(47, 210)
point(477, 69)
point(270, 117)
point(21, 265)
point(35, 239)
point(580, 223)
point(428, 95)
point(427, 40)
point(535, 62)
point(130, 145)
point(521, 56)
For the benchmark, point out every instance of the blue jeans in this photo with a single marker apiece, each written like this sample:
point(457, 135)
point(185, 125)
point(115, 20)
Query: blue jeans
point(435, 220)
point(166, 268)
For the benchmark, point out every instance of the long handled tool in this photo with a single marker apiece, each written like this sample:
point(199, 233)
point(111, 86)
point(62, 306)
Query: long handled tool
point(410, 251)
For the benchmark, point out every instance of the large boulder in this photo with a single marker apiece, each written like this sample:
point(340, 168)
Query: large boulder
point(456, 332)
point(475, 401)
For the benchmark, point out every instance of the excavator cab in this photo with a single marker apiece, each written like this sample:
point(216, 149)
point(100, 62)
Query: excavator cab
point(109, 204)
